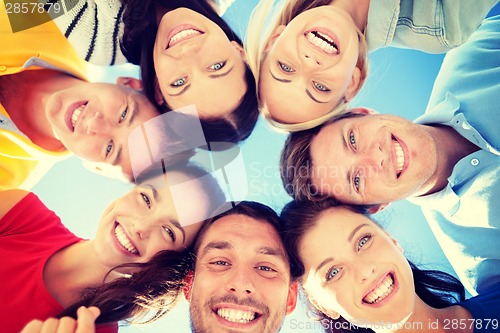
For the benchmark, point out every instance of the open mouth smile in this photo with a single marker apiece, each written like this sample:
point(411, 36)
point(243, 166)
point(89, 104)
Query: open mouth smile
point(381, 291)
point(236, 317)
point(325, 40)
point(399, 157)
point(73, 114)
point(182, 33)
point(123, 240)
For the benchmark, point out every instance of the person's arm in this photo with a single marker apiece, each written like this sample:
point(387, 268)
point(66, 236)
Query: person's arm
point(84, 324)
point(9, 199)
point(94, 28)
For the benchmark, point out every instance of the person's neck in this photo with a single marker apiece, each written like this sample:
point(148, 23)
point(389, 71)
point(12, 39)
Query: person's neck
point(428, 319)
point(76, 268)
point(357, 9)
point(451, 148)
point(25, 96)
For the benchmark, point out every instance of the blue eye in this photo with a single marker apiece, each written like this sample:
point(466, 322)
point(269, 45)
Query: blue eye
point(179, 82)
point(123, 115)
point(109, 148)
point(146, 199)
point(332, 273)
point(285, 68)
point(320, 87)
point(220, 263)
point(352, 140)
point(362, 242)
point(218, 66)
point(357, 181)
point(265, 268)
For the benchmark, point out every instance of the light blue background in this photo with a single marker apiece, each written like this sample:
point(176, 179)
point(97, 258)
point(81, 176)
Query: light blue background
point(400, 83)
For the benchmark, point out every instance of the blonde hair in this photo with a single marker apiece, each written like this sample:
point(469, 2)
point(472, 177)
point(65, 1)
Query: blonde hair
point(265, 18)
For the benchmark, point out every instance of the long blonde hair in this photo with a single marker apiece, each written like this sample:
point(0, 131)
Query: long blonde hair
point(265, 18)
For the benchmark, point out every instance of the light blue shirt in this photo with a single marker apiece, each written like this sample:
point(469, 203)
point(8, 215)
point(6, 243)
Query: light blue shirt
point(432, 26)
point(465, 215)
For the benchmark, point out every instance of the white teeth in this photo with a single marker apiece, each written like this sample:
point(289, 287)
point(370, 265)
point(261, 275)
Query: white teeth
point(322, 41)
point(236, 316)
point(381, 291)
point(123, 239)
point(76, 114)
point(400, 156)
point(183, 34)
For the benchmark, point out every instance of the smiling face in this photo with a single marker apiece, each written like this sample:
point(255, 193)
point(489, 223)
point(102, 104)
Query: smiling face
point(242, 278)
point(310, 65)
point(196, 63)
point(148, 220)
point(353, 268)
point(373, 159)
point(94, 123)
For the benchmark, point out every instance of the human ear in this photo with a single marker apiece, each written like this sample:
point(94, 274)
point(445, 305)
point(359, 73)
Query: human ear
point(353, 86)
point(365, 111)
point(158, 94)
point(130, 82)
point(291, 302)
point(330, 313)
point(240, 50)
point(274, 35)
point(377, 208)
point(188, 285)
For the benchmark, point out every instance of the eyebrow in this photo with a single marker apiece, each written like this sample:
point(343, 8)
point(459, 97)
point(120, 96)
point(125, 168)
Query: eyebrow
point(355, 230)
point(178, 226)
point(314, 98)
point(278, 79)
point(266, 250)
point(216, 246)
point(216, 76)
point(349, 239)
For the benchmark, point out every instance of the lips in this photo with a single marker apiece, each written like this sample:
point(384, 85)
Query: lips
point(73, 114)
point(381, 291)
point(399, 158)
point(123, 240)
point(181, 33)
point(324, 40)
point(235, 316)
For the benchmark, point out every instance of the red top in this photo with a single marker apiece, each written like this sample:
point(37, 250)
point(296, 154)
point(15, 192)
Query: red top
point(30, 234)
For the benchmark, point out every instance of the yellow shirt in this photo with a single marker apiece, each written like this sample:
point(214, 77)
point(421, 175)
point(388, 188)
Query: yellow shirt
point(22, 163)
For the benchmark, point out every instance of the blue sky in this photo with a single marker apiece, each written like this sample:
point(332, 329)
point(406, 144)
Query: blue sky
point(400, 83)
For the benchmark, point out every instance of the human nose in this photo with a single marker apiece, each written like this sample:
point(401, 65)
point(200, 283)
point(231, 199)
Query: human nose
point(310, 60)
point(364, 271)
point(241, 282)
point(143, 227)
point(96, 124)
point(374, 157)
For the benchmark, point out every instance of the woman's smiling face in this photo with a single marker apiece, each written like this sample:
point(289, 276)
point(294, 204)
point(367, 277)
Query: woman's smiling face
point(353, 268)
point(196, 63)
point(310, 65)
point(151, 218)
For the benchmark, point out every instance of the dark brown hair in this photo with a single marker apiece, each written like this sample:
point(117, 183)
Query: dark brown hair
point(137, 45)
point(437, 289)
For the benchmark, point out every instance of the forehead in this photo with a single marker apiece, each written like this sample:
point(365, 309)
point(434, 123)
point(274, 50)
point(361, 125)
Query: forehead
point(334, 228)
point(242, 232)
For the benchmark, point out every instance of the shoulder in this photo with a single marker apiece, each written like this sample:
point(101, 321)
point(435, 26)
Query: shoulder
point(9, 199)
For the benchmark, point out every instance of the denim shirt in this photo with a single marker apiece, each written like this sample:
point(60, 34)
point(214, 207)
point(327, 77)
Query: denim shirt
point(465, 215)
point(432, 26)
